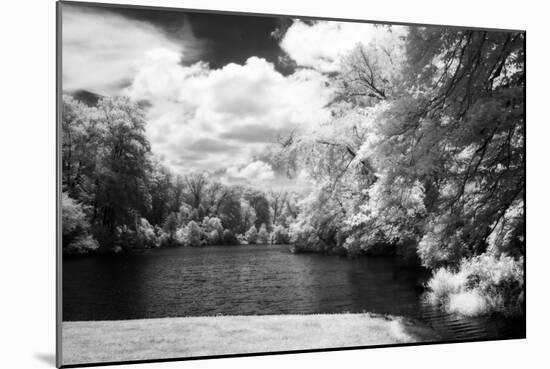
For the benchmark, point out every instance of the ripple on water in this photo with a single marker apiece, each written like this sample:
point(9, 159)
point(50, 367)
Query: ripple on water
point(256, 280)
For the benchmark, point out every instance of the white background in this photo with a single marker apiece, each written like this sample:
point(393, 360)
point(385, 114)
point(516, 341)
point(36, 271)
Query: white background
point(27, 182)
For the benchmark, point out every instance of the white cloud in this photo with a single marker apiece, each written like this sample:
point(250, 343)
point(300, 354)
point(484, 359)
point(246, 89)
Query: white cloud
point(213, 119)
point(102, 50)
point(321, 45)
point(255, 171)
point(201, 118)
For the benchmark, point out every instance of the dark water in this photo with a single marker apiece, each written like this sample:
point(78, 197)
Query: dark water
point(256, 280)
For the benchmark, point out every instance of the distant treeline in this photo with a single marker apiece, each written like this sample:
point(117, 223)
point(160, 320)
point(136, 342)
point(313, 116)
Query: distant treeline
point(117, 196)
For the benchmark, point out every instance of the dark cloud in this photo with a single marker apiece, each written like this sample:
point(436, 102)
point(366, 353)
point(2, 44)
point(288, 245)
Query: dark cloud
point(221, 38)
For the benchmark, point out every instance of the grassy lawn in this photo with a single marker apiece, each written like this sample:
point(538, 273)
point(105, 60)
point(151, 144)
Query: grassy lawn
point(100, 341)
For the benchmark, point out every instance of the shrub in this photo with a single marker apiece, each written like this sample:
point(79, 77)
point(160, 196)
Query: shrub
point(469, 303)
point(73, 219)
point(180, 237)
point(146, 234)
point(263, 235)
point(251, 235)
point(482, 284)
point(499, 279)
point(193, 235)
point(169, 230)
point(210, 224)
point(82, 245)
point(75, 228)
point(445, 283)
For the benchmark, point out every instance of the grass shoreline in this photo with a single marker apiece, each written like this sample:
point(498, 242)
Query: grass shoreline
point(142, 339)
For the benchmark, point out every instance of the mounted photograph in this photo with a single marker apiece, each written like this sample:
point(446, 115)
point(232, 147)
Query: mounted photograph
point(241, 184)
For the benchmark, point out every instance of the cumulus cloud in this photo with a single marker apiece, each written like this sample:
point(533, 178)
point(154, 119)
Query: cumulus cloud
point(321, 45)
point(255, 171)
point(200, 118)
point(101, 50)
point(228, 114)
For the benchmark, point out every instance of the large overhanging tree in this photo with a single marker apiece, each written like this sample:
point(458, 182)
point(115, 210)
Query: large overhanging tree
point(426, 148)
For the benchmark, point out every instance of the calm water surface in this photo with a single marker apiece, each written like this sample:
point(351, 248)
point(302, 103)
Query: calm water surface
point(256, 279)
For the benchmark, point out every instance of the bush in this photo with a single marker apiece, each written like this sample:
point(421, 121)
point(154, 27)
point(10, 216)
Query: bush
point(73, 219)
point(481, 285)
point(499, 279)
point(445, 283)
point(212, 224)
point(263, 235)
point(180, 238)
point(193, 235)
point(169, 235)
point(251, 235)
point(75, 228)
point(146, 234)
point(82, 245)
point(469, 303)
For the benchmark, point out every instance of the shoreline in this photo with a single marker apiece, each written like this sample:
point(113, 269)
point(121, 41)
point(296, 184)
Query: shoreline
point(143, 339)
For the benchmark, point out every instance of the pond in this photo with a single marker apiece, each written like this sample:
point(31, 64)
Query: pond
point(257, 280)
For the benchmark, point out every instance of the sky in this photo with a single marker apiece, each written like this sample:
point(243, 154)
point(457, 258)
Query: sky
point(218, 88)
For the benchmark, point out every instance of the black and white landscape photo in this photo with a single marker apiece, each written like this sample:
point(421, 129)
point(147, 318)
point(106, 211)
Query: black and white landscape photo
point(242, 184)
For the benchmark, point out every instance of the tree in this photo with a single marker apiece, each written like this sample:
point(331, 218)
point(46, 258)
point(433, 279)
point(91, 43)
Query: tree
point(212, 224)
point(424, 152)
point(229, 238)
point(277, 202)
point(260, 203)
point(230, 211)
point(146, 236)
point(279, 235)
point(195, 187)
point(248, 216)
point(161, 193)
point(466, 138)
point(214, 237)
point(75, 228)
point(81, 144)
point(263, 235)
point(193, 234)
point(215, 195)
point(320, 217)
point(170, 227)
point(122, 180)
point(251, 235)
point(106, 164)
point(178, 188)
